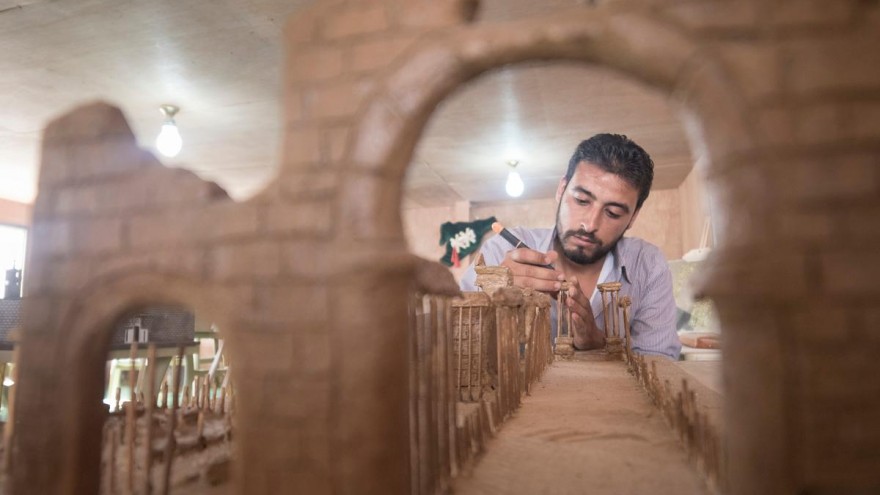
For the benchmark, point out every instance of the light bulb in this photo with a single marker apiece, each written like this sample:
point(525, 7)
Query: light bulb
point(514, 186)
point(169, 143)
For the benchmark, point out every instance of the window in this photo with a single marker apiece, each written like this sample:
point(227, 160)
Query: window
point(13, 246)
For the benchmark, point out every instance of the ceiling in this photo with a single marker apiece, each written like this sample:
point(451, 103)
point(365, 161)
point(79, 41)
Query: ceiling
point(219, 61)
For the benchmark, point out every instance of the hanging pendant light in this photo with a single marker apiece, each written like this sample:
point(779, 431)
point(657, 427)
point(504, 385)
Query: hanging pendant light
point(514, 185)
point(169, 142)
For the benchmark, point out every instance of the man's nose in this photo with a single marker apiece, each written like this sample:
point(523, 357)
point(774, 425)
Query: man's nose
point(591, 221)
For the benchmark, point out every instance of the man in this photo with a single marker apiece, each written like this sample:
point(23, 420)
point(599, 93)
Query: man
point(607, 181)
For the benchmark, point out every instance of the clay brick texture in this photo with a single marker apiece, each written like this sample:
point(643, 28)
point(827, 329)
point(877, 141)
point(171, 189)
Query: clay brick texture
point(769, 86)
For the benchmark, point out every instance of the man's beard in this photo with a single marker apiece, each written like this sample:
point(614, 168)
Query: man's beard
point(577, 254)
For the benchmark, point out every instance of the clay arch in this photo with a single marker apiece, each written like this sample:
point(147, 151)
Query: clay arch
point(714, 113)
point(391, 124)
point(92, 320)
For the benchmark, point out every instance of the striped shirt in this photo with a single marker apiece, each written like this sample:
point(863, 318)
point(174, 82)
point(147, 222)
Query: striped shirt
point(641, 269)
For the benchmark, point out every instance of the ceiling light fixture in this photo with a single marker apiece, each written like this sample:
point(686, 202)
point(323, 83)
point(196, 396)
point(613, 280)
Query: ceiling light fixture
point(514, 185)
point(168, 142)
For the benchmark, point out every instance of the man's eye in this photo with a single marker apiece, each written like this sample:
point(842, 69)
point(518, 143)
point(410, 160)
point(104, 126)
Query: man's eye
point(581, 201)
point(611, 214)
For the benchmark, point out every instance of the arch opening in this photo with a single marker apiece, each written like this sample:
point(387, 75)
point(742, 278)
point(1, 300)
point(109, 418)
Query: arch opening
point(391, 128)
point(168, 402)
point(536, 114)
point(128, 347)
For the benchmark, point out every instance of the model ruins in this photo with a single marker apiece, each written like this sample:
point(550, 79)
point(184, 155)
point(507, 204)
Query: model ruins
point(774, 96)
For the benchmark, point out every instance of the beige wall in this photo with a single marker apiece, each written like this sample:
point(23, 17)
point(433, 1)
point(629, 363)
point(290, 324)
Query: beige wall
point(15, 213)
point(660, 221)
point(694, 211)
point(534, 213)
point(422, 227)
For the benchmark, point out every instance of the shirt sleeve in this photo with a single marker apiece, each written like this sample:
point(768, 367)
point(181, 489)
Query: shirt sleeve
point(653, 324)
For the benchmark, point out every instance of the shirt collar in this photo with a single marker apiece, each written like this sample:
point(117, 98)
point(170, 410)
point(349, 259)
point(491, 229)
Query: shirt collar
point(619, 266)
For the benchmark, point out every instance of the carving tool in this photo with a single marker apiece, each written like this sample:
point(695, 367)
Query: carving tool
point(514, 241)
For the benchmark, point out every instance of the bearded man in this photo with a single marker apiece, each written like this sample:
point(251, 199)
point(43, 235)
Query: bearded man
point(598, 200)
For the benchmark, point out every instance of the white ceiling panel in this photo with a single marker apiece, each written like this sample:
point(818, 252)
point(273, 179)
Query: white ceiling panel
point(538, 114)
point(219, 61)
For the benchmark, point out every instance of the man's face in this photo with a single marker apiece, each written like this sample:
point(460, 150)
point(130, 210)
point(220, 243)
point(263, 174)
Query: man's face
point(595, 208)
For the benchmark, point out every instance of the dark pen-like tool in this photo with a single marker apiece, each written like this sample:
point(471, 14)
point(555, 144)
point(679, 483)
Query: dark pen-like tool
point(515, 241)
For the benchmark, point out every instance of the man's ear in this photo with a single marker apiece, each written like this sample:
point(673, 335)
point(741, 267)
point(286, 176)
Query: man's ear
point(560, 189)
point(633, 219)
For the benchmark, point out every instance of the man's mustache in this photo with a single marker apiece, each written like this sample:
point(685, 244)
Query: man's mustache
point(583, 233)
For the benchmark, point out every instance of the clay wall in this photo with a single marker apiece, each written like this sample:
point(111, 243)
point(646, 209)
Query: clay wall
point(780, 98)
point(659, 222)
point(694, 212)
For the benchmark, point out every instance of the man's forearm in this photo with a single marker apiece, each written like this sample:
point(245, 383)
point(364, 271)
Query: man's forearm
point(588, 336)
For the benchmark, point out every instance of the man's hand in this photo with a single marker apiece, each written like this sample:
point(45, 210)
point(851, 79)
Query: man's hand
point(584, 329)
point(525, 265)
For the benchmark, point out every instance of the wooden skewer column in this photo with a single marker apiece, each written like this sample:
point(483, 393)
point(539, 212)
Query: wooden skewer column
point(602, 291)
point(197, 392)
point(224, 386)
point(613, 344)
point(8, 428)
point(477, 392)
point(559, 309)
point(163, 395)
point(615, 322)
point(150, 405)
point(564, 340)
point(470, 350)
point(170, 443)
point(625, 303)
point(130, 416)
point(460, 350)
point(568, 296)
point(114, 442)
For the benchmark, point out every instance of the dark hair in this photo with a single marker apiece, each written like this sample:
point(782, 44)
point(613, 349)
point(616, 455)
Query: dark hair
point(619, 155)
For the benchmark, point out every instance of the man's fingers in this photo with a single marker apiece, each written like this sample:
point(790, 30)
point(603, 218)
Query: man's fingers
point(537, 272)
point(576, 293)
point(529, 270)
point(531, 257)
point(579, 308)
point(578, 301)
